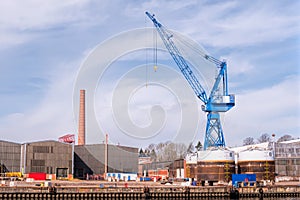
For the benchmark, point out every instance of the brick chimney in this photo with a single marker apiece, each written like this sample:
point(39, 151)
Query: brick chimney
point(81, 125)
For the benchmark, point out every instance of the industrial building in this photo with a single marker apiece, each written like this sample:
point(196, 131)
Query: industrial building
point(176, 169)
point(50, 157)
point(165, 169)
point(287, 159)
point(90, 160)
point(155, 169)
point(55, 159)
point(10, 156)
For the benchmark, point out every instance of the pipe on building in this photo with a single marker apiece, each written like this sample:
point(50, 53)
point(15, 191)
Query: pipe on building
point(236, 162)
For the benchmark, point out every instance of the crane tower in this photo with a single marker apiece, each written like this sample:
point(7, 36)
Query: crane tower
point(214, 103)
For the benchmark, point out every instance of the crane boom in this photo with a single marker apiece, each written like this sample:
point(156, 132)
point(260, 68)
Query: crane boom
point(180, 61)
point(215, 103)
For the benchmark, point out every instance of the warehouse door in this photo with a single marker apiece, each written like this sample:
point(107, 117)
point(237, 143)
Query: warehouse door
point(62, 173)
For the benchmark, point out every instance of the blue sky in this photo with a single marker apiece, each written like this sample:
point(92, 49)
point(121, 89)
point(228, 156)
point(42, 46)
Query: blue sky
point(44, 43)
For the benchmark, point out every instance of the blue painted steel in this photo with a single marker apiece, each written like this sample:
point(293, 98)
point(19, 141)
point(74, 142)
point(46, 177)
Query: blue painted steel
point(213, 105)
point(242, 178)
point(214, 132)
point(180, 61)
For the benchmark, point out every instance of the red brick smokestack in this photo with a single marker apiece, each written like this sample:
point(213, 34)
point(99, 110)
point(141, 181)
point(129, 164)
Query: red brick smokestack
point(81, 125)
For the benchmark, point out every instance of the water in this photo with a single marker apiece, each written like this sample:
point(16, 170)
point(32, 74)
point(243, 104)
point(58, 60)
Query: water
point(277, 198)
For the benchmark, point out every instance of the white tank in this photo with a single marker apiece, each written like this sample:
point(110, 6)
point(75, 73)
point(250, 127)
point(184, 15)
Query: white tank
point(256, 155)
point(191, 158)
point(218, 155)
point(215, 165)
point(257, 161)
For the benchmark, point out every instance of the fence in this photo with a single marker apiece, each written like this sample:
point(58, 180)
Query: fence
point(137, 196)
point(109, 196)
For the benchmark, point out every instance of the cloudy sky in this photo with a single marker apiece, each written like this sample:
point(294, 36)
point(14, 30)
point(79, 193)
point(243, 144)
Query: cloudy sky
point(44, 44)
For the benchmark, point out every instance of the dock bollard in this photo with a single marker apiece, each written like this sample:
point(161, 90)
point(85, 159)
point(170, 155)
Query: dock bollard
point(187, 193)
point(261, 193)
point(234, 194)
point(52, 190)
point(147, 192)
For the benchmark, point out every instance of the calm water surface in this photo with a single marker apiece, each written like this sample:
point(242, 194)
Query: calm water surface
point(279, 198)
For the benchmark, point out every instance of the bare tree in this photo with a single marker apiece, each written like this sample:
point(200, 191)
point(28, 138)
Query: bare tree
point(160, 146)
point(153, 155)
point(169, 152)
point(264, 138)
point(148, 150)
point(190, 148)
point(285, 138)
point(151, 147)
point(181, 150)
point(248, 141)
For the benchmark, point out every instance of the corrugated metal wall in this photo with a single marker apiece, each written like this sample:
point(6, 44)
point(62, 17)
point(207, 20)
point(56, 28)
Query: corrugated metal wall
point(90, 159)
point(287, 159)
point(10, 156)
point(48, 156)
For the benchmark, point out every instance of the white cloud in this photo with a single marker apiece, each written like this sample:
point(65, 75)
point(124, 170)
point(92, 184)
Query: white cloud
point(269, 110)
point(236, 23)
point(163, 90)
point(153, 6)
point(50, 118)
point(34, 15)
point(237, 64)
point(22, 21)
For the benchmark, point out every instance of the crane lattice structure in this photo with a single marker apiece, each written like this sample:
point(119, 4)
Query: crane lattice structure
point(213, 104)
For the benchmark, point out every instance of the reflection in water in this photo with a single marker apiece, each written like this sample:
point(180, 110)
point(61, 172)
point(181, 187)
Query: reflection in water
point(277, 198)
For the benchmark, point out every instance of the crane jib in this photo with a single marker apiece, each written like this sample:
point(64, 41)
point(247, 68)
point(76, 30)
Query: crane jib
point(180, 61)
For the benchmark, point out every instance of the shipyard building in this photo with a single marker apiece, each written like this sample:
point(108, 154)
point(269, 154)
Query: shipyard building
point(57, 160)
point(287, 159)
point(10, 157)
point(90, 160)
point(50, 157)
point(93, 160)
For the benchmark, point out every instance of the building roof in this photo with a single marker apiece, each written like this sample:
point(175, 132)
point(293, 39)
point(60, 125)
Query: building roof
point(10, 142)
point(109, 145)
point(291, 141)
point(264, 145)
point(46, 141)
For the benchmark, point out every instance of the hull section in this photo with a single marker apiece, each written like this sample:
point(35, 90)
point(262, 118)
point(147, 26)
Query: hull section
point(215, 171)
point(259, 162)
point(214, 165)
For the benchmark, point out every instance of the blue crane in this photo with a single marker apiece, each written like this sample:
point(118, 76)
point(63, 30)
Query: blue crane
point(214, 103)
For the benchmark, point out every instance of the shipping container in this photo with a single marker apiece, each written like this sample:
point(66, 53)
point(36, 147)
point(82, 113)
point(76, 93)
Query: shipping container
point(37, 176)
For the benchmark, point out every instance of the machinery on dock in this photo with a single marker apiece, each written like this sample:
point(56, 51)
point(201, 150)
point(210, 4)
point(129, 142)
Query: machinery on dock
point(218, 100)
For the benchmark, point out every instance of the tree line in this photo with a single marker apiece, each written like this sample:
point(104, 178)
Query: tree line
point(168, 151)
point(265, 137)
